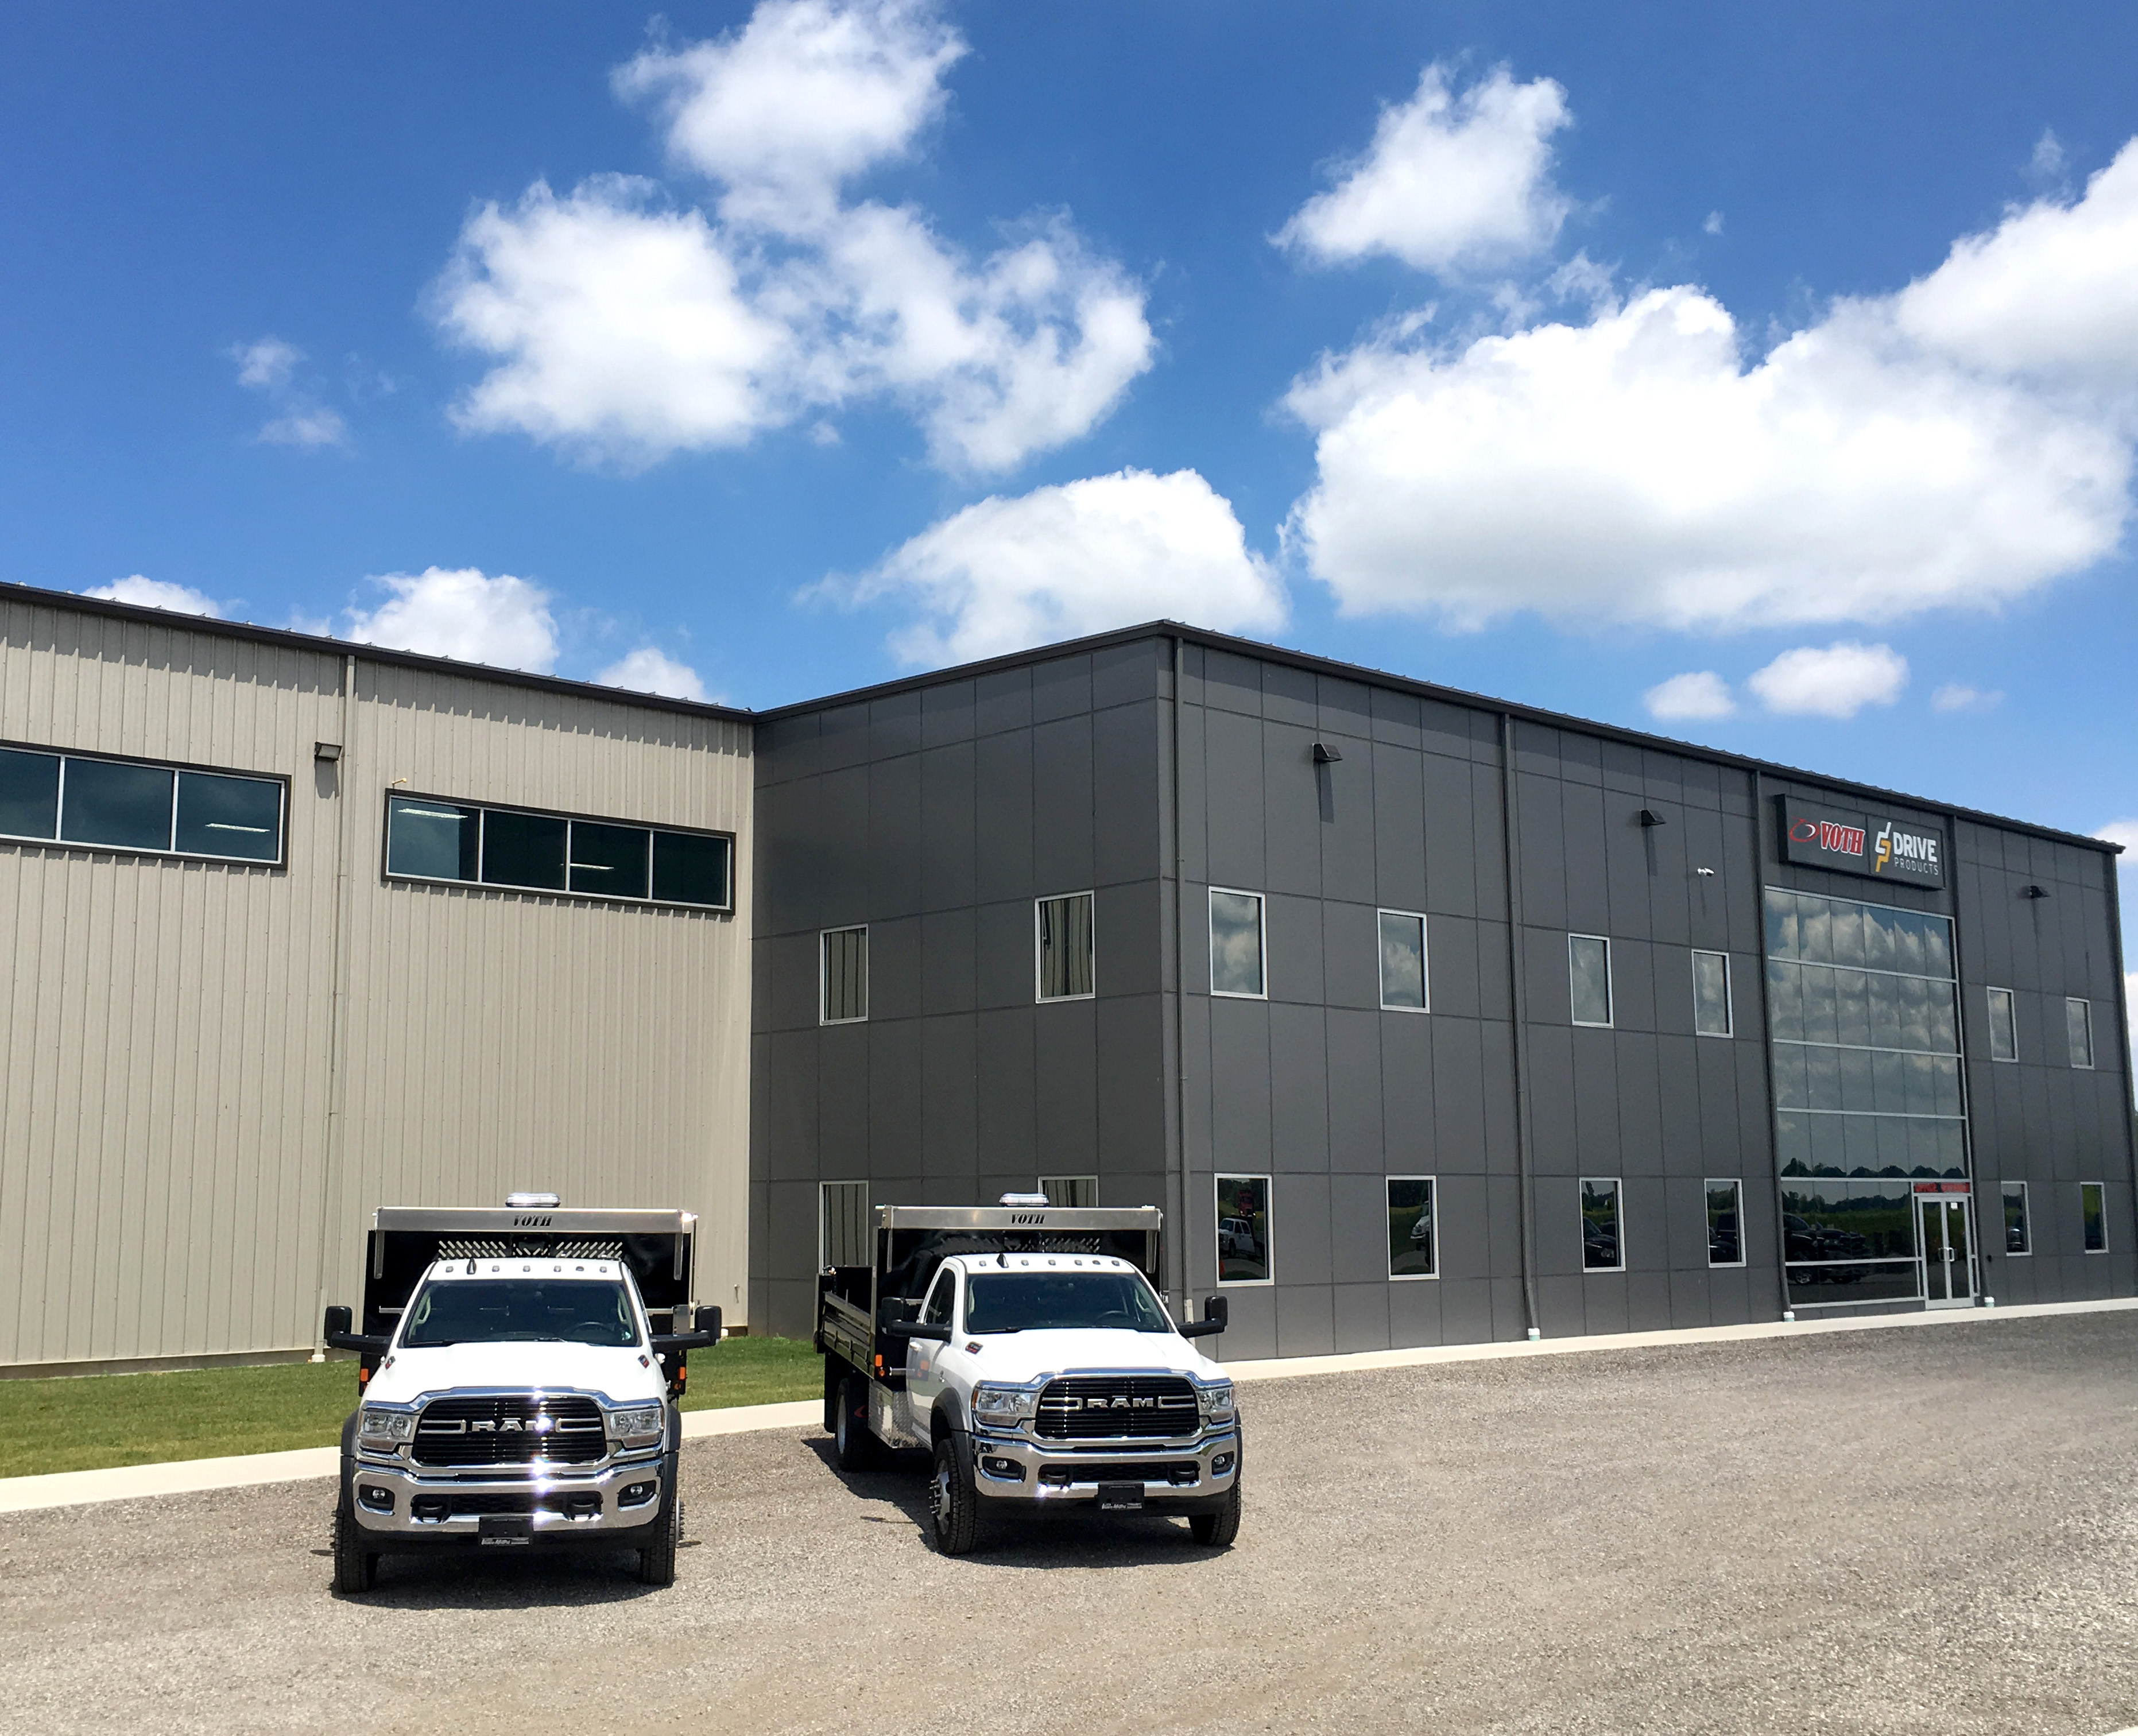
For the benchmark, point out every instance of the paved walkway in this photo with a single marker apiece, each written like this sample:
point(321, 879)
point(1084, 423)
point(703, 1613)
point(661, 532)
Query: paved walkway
point(130, 1482)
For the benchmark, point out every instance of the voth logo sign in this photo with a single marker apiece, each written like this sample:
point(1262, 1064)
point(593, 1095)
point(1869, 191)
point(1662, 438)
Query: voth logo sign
point(1876, 845)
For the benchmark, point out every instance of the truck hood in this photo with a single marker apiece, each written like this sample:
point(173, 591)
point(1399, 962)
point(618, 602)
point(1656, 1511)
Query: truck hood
point(1017, 1357)
point(625, 1376)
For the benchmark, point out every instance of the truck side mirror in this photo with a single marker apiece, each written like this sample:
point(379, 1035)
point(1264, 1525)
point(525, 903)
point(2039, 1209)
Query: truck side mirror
point(340, 1322)
point(337, 1336)
point(1218, 1308)
point(707, 1320)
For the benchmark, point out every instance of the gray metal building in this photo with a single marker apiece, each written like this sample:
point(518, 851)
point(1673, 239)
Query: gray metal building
point(1167, 917)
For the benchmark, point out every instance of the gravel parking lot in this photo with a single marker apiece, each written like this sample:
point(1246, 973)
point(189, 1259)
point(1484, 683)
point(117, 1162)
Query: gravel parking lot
point(1930, 1530)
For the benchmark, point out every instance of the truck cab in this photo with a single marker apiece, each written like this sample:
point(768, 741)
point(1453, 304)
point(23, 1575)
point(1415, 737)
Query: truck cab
point(520, 1394)
point(1038, 1367)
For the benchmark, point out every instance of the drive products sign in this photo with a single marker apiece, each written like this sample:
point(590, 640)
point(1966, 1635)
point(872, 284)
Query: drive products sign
point(1875, 845)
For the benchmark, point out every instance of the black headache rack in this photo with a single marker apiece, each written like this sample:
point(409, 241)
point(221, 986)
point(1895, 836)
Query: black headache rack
point(911, 1241)
point(406, 1240)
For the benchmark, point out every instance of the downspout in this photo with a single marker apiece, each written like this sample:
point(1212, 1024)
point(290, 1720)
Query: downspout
point(1977, 1259)
point(337, 1019)
point(2130, 1106)
point(1177, 1176)
point(1510, 833)
point(1767, 1034)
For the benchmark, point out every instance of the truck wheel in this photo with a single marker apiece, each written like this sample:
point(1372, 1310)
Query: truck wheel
point(856, 1445)
point(835, 1378)
point(1218, 1529)
point(656, 1563)
point(356, 1568)
point(952, 1503)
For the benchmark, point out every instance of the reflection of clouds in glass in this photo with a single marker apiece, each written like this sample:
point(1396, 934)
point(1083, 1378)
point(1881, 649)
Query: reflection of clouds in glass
point(1402, 961)
point(1236, 943)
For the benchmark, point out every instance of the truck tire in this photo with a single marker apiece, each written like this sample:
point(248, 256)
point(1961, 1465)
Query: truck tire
point(835, 1379)
point(356, 1568)
point(656, 1562)
point(953, 1502)
point(857, 1448)
point(1218, 1529)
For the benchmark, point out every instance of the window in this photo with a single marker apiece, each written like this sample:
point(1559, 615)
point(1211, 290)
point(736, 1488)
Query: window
point(1602, 1249)
point(2003, 1026)
point(1710, 994)
point(1403, 963)
point(1411, 1251)
point(1589, 973)
point(2016, 1240)
point(1725, 1217)
point(1243, 1227)
point(1074, 1191)
point(2093, 1216)
point(1064, 941)
point(940, 1301)
point(1236, 943)
point(843, 977)
point(2078, 1024)
point(428, 839)
point(159, 810)
point(843, 1225)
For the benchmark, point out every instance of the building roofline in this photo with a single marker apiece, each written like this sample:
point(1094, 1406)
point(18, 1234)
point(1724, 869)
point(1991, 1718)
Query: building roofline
point(37, 597)
point(1163, 629)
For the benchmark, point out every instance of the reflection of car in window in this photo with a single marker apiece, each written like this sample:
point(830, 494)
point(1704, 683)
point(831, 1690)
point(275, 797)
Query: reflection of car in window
point(1236, 1236)
point(1802, 1240)
point(1722, 1239)
point(1599, 1246)
point(1421, 1231)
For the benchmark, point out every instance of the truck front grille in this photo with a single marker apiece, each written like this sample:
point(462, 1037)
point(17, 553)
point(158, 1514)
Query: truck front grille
point(515, 1429)
point(1115, 1407)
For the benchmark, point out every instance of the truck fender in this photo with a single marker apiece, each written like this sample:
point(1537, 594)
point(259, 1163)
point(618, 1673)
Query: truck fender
point(947, 1418)
point(345, 1495)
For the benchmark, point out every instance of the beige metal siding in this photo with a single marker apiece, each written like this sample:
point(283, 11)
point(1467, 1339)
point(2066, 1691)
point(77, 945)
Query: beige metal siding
point(166, 1028)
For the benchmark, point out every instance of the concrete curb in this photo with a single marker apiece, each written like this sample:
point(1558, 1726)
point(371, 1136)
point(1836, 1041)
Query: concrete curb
point(187, 1476)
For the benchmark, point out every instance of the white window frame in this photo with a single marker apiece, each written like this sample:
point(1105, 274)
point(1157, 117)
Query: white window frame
point(2082, 1247)
point(2011, 1013)
point(824, 973)
point(1044, 1179)
point(1038, 978)
point(1433, 1181)
point(1610, 988)
point(1269, 1211)
point(1262, 944)
point(2070, 1001)
point(1424, 976)
point(1729, 993)
point(1618, 1196)
point(2026, 1217)
point(821, 1187)
point(1708, 1184)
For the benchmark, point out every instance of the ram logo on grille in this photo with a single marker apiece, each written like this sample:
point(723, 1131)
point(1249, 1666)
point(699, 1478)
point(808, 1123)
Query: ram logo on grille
point(1119, 1401)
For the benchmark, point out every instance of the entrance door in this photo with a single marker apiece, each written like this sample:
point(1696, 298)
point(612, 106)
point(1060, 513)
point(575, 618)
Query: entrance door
point(1948, 1274)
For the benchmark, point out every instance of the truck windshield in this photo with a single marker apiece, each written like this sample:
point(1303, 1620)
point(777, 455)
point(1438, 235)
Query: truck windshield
point(521, 1311)
point(1045, 1301)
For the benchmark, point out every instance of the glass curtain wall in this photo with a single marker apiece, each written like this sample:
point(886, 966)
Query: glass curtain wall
point(1867, 1097)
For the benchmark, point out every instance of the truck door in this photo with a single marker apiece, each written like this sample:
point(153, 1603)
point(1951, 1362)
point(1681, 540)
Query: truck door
point(924, 1380)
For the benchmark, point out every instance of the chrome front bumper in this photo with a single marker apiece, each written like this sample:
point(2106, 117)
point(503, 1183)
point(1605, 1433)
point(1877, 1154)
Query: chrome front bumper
point(1215, 1456)
point(406, 1484)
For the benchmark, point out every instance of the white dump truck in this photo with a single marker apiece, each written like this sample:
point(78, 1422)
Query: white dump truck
point(517, 1376)
point(1026, 1349)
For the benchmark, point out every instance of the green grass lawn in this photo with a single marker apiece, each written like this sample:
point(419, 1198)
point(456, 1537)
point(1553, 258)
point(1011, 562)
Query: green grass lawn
point(84, 1423)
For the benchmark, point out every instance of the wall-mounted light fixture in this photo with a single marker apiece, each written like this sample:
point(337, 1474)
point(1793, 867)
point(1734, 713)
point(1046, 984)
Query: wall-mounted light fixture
point(2035, 892)
point(1649, 816)
point(1706, 874)
point(330, 751)
point(1325, 755)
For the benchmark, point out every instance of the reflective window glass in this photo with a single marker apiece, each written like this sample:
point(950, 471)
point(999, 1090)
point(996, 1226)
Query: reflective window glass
point(843, 1226)
point(1243, 1229)
point(1849, 1241)
point(609, 859)
point(1601, 1247)
point(105, 802)
point(1410, 1226)
point(523, 850)
point(1075, 1192)
point(2093, 1216)
point(1710, 994)
point(691, 868)
point(844, 976)
point(1589, 973)
point(937, 1312)
point(1402, 961)
point(1726, 1244)
point(2079, 1025)
point(29, 793)
point(432, 841)
point(1064, 940)
point(1236, 943)
point(2016, 1239)
point(2003, 1026)
point(235, 817)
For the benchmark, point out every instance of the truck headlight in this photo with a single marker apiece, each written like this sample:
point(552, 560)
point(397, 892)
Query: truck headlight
point(637, 1427)
point(386, 1424)
point(1215, 1401)
point(1005, 1406)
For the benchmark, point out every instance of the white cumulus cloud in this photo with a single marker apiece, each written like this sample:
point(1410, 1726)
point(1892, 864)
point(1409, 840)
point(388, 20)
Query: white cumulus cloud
point(625, 329)
point(1957, 696)
point(269, 366)
point(1838, 681)
point(265, 364)
point(318, 427)
point(1698, 693)
point(1071, 559)
point(465, 614)
point(649, 669)
point(1453, 179)
point(155, 593)
point(2125, 833)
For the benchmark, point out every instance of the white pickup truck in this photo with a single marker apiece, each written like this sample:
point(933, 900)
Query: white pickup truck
point(1024, 1348)
point(519, 1396)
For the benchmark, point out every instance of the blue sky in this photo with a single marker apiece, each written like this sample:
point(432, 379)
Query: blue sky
point(1771, 383)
